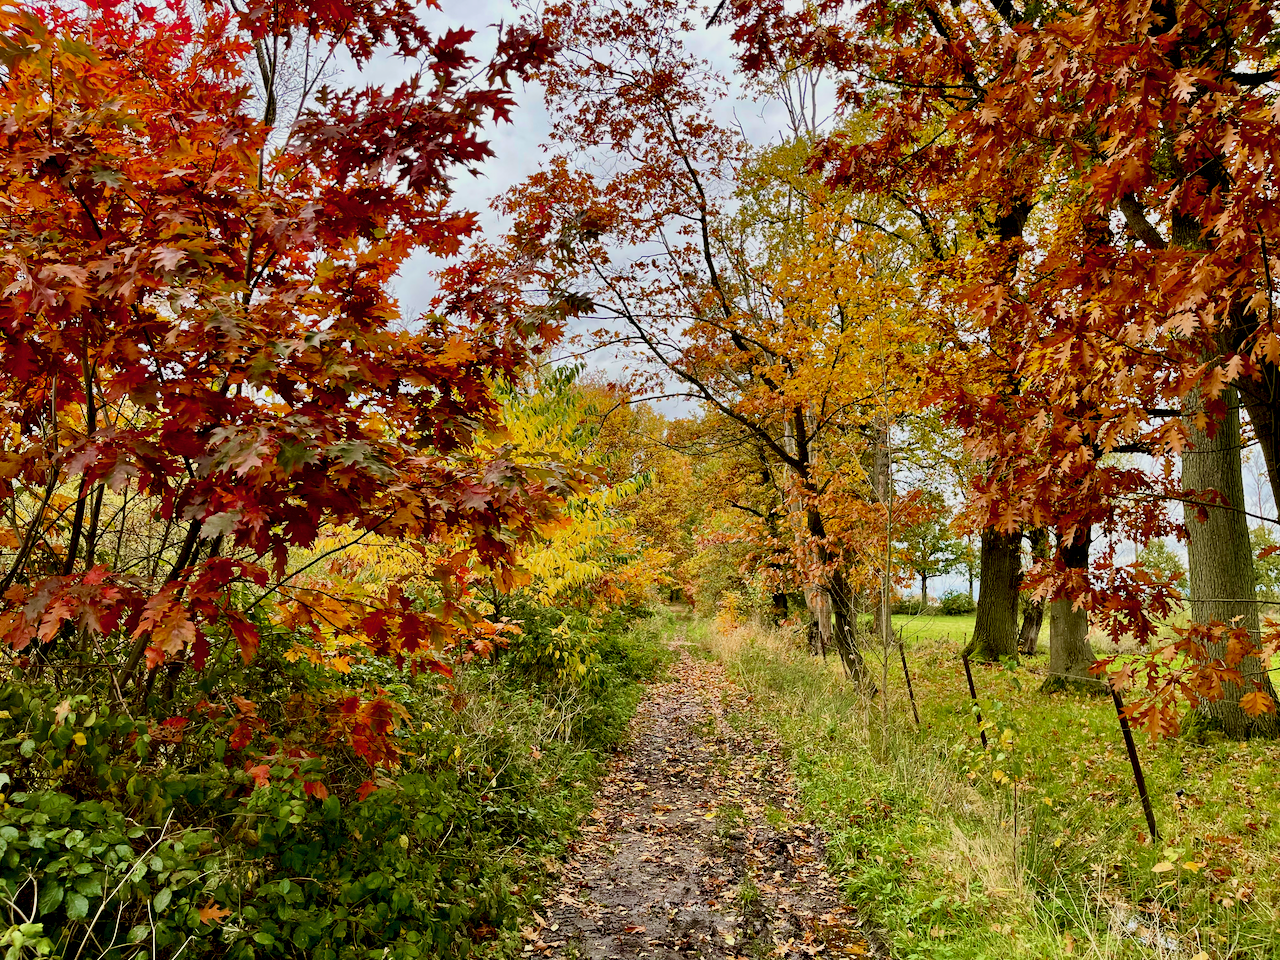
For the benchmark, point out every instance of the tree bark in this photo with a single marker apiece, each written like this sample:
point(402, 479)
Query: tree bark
point(882, 487)
point(1032, 621)
point(844, 631)
point(1259, 399)
point(924, 590)
point(1033, 616)
point(1220, 558)
point(995, 632)
point(820, 624)
point(1070, 653)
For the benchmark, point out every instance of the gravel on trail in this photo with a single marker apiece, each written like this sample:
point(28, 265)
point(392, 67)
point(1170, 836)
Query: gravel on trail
point(696, 848)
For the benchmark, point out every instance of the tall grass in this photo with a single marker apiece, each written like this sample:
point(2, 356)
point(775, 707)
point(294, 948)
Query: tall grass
point(1030, 849)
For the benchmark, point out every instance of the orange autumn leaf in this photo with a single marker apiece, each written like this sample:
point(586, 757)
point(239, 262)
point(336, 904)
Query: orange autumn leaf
point(211, 913)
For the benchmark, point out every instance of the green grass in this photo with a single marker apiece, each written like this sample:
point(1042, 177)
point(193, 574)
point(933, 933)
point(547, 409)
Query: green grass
point(1036, 848)
point(934, 626)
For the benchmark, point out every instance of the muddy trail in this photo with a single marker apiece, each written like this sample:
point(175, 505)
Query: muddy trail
point(695, 848)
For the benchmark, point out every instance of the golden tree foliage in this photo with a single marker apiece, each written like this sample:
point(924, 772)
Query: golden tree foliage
point(593, 555)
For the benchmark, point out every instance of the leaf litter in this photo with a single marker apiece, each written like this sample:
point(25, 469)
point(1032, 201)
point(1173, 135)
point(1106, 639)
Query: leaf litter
point(696, 847)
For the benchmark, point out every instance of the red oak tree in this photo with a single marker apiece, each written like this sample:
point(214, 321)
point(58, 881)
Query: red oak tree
point(203, 360)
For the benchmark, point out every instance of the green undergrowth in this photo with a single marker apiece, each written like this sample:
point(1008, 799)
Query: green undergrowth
point(1036, 847)
point(116, 843)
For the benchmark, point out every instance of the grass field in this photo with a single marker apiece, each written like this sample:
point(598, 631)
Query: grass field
point(936, 627)
point(1037, 846)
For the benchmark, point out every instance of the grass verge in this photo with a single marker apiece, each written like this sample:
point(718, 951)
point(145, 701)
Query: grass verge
point(1036, 847)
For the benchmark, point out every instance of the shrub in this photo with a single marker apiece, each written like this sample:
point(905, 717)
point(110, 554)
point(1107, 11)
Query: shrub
point(554, 646)
point(116, 837)
point(953, 603)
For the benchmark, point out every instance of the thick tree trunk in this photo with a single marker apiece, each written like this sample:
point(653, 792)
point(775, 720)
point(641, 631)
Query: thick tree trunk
point(1070, 653)
point(1220, 558)
point(924, 591)
point(995, 634)
point(1033, 616)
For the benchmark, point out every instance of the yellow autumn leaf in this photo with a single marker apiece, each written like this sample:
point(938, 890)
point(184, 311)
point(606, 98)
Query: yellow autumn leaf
point(1164, 866)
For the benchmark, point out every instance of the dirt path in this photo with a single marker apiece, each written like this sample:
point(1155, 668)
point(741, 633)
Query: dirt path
point(694, 849)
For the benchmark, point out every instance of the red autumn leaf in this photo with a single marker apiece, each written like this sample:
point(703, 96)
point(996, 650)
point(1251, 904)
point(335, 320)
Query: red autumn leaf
point(246, 635)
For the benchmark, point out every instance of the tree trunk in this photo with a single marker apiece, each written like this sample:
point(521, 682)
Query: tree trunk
point(844, 631)
point(1032, 621)
point(1220, 558)
point(819, 605)
point(995, 633)
point(1070, 653)
point(882, 486)
point(969, 566)
point(1259, 399)
point(1033, 616)
point(924, 591)
point(831, 602)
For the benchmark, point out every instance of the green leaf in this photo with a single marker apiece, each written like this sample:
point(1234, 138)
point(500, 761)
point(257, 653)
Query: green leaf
point(290, 456)
point(162, 899)
point(50, 897)
point(112, 178)
point(77, 906)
